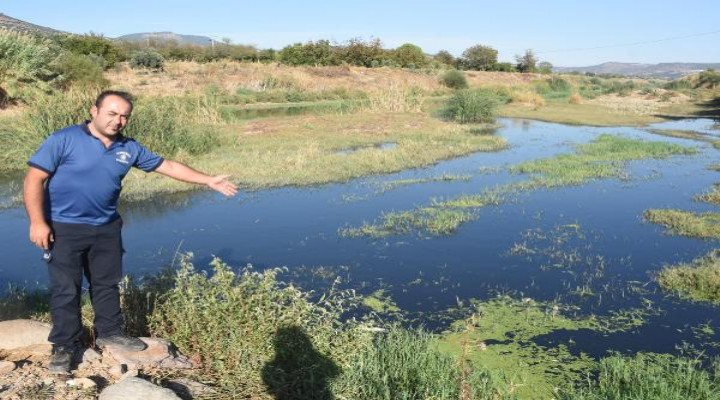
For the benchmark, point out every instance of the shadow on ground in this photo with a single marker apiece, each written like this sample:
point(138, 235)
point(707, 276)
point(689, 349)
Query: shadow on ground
point(298, 370)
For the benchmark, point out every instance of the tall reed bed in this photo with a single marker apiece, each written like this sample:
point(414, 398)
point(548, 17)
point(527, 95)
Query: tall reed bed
point(649, 376)
point(168, 125)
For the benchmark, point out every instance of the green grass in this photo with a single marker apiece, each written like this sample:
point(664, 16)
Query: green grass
point(306, 150)
point(499, 337)
point(171, 126)
point(431, 220)
point(698, 280)
point(407, 365)
point(711, 196)
point(648, 376)
point(685, 223)
point(394, 184)
point(440, 218)
point(604, 157)
point(257, 337)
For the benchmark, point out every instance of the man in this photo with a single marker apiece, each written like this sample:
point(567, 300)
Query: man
point(71, 193)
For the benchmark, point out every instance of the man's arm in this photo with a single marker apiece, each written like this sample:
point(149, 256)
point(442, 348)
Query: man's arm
point(182, 172)
point(34, 199)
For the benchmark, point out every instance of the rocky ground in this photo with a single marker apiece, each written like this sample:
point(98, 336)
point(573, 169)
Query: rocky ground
point(107, 375)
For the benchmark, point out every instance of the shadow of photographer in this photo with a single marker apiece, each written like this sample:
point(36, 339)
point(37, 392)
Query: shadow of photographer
point(298, 370)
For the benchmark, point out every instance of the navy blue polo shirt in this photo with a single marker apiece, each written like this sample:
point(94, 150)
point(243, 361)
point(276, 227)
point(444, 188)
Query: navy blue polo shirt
point(85, 177)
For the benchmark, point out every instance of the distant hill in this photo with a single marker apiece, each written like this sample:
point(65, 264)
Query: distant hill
point(662, 70)
point(169, 37)
point(22, 26)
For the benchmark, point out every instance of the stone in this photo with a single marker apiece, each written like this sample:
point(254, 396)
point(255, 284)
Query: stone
point(88, 357)
point(159, 354)
point(117, 370)
point(35, 352)
point(22, 333)
point(131, 373)
point(136, 388)
point(82, 383)
point(189, 389)
point(6, 367)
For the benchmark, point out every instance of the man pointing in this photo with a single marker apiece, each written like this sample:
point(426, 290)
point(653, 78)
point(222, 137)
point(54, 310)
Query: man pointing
point(71, 193)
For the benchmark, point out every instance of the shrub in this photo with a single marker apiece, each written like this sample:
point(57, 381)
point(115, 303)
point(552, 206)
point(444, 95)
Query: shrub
point(171, 125)
point(79, 70)
point(24, 65)
point(147, 59)
point(471, 105)
point(407, 365)
point(708, 79)
point(409, 56)
point(91, 44)
point(454, 79)
point(253, 332)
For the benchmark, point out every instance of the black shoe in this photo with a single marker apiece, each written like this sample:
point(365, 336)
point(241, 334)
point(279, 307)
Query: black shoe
point(62, 357)
point(126, 343)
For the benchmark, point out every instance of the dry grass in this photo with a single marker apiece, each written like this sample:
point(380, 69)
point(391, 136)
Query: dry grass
point(577, 114)
point(183, 77)
point(636, 104)
point(527, 97)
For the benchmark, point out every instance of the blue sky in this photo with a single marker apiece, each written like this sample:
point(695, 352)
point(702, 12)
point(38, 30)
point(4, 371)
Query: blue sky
point(565, 33)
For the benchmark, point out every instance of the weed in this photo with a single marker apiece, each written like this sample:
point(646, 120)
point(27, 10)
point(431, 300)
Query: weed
point(698, 280)
point(647, 376)
point(471, 106)
point(684, 223)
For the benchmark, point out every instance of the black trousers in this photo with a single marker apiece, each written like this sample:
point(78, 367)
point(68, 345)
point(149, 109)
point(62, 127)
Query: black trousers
point(93, 251)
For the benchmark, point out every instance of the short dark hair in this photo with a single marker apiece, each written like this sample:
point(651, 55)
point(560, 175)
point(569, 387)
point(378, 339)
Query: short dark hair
point(105, 93)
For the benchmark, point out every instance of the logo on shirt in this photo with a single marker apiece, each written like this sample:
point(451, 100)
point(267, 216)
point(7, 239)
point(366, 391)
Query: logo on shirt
point(123, 157)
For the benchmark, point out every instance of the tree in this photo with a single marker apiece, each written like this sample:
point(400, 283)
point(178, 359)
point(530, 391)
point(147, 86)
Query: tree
point(361, 53)
point(409, 56)
point(544, 67)
point(527, 62)
point(444, 57)
point(310, 53)
point(479, 58)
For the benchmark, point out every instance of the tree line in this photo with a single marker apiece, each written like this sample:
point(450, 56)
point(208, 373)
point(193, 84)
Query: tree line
point(356, 51)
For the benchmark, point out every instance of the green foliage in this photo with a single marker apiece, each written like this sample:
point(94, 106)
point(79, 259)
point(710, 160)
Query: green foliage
point(91, 44)
point(358, 52)
point(505, 67)
point(407, 365)
point(699, 280)
point(25, 66)
point(173, 125)
point(601, 158)
point(310, 53)
point(147, 59)
point(82, 71)
point(45, 115)
point(454, 79)
point(648, 376)
point(409, 56)
point(553, 88)
point(544, 67)
point(709, 79)
point(678, 84)
point(527, 62)
point(479, 58)
point(686, 223)
point(253, 332)
point(471, 106)
point(444, 57)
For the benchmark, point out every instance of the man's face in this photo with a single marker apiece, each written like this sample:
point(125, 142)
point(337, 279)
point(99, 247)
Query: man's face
point(111, 117)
